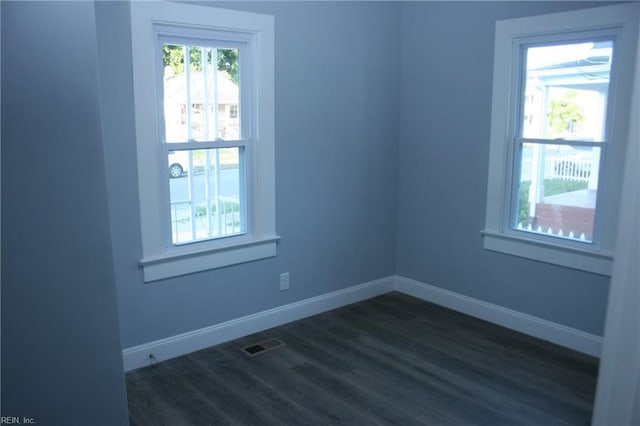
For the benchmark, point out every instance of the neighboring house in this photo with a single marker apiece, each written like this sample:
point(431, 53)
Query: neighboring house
point(208, 121)
point(201, 120)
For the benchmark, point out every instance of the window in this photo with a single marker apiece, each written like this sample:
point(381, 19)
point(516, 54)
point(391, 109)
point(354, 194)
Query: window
point(233, 111)
point(203, 88)
point(561, 98)
point(205, 152)
point(560, 140)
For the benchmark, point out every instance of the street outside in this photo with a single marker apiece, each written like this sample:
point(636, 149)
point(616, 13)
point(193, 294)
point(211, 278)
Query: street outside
point(227, 223)
point(228, 186)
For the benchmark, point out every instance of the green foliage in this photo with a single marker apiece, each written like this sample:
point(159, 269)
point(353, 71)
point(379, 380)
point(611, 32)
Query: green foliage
point(523, 203)
point(173, 56)
point(564, 113)
point(228, 61)
point(201, 211)
point(559, 186)
point(551, 187)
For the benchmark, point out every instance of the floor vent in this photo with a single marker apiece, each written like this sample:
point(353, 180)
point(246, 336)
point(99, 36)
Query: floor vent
point(263, 347)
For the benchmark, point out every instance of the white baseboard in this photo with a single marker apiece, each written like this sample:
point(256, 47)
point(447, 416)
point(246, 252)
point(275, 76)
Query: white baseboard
point(546, 330)
point(181, 344)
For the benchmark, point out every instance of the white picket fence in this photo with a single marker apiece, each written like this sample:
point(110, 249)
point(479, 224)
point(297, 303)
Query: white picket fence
point(557, 233)
point(569, 168)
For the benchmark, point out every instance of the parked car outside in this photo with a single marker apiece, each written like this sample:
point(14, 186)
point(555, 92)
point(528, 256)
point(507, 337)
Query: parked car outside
point(178, 163)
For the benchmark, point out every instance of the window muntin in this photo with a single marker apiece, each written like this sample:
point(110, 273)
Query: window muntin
point(200, 83)
point(205, 184)
point(561, 138)
point(206, 203)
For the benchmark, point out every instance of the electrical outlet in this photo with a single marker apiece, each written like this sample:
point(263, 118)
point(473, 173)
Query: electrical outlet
point(284, 281)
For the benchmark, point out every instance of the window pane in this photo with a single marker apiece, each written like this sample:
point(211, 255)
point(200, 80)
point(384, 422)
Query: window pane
point(566, 91)
point(201, 100)
point(557, 190)
point(206, 195)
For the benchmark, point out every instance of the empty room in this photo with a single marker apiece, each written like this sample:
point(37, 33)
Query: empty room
point(320, 212)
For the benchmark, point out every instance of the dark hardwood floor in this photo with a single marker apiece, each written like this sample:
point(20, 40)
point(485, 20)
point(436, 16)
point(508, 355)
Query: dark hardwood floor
point(391, 360)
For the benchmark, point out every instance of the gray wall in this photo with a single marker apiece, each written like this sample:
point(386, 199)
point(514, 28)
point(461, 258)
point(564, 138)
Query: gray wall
point(337, 95)
point(447, 66)
point(382, 121)
point(61, 353)
point(356, 83)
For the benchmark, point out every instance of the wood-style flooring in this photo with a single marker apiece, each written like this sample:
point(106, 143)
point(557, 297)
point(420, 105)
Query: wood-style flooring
point(390, 360)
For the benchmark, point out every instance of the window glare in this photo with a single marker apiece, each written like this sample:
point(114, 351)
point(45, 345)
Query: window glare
point(566, 91)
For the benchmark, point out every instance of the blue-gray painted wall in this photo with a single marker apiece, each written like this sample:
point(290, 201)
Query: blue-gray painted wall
point(447, 71)
point(382, 138)
point(337, 95)
point(61, 352)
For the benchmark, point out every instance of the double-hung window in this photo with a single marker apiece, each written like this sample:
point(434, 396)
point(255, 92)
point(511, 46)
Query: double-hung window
point(561, 95)
point(203, 88)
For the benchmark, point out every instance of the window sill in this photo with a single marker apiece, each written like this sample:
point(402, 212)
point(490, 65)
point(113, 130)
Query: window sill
point(170, 265)
point(575, 258)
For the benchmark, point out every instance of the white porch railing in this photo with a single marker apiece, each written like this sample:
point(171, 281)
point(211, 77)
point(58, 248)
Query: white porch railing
point(223, 218)
point(569, 168)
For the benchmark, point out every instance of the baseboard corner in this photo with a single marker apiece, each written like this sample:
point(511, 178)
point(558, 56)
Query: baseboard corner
point(559, 334)
point(184, 343)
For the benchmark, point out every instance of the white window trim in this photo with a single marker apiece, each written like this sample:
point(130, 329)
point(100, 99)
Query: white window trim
point(160, 261)
point(498, 234)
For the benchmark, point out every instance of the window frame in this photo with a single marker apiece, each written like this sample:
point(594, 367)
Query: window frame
point(167, 34)
point(160, 258)
point(620, 22)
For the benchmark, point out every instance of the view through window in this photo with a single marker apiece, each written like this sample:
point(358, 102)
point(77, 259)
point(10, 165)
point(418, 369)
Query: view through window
point(562, 137)
point(203, 141)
